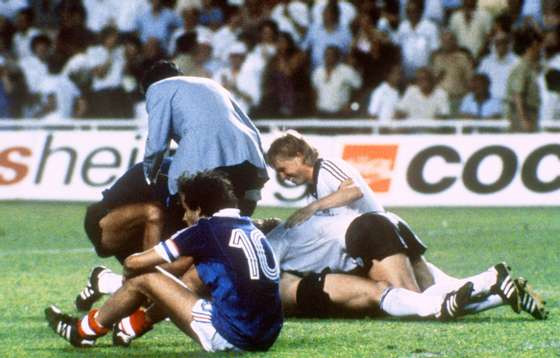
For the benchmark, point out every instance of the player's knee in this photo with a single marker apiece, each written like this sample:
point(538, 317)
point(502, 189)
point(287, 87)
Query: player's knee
point(311, 299)
point(153, 213)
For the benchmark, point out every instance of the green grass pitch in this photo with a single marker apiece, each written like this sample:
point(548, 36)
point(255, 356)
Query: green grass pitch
point(45, 258)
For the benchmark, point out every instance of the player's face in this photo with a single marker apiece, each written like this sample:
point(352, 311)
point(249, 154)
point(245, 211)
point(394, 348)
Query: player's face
point(191, 216)
point(293, 169)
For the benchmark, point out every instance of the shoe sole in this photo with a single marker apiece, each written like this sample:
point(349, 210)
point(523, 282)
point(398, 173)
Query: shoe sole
point(539, 311)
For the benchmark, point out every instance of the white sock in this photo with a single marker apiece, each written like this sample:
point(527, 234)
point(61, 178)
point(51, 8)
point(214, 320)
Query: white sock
point(443, 283)
point(489, 302)
point(109, 282)
point(400, 302)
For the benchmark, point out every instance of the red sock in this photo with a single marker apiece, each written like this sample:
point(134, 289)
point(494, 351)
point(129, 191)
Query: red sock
point(89, 327)
point(135, 324)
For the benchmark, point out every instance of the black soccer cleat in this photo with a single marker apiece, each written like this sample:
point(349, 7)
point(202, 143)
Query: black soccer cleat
point(531, 302)
point(505, 287)
point(66, 326)
point(453, 305)
point(90, 294)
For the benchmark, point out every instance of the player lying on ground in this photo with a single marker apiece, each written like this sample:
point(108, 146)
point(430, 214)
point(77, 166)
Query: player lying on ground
point(232, 259)
point(391, 252)
point(309, 252)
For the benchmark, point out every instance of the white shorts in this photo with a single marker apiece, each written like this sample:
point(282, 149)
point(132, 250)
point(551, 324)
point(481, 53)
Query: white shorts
point(209, 338)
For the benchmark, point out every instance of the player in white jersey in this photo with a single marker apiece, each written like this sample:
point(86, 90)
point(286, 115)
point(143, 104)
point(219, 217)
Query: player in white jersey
point(337, 187)
point(386, 246)
point(311, 255)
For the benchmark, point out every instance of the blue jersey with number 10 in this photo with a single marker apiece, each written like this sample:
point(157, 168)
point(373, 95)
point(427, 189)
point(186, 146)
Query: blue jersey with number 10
point(234, 259)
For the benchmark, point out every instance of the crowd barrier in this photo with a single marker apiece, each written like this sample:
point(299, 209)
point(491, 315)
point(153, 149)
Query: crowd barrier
point(404, 170)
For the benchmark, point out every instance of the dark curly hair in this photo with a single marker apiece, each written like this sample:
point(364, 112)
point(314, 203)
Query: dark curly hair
point(210, 191)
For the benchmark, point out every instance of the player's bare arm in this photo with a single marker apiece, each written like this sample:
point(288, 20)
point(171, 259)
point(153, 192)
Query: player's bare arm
point(347, 193)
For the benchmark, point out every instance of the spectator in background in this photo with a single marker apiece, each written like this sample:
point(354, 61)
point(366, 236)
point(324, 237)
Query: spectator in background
point(453, 69)
point(286, 84)
point(423, 100)
point(128, 12)
point(253, 14)
point(346, 8)
point(417, 37)
point(256, 61)
point(230, 75)
point(471, 27)
point(385, 97)
point(227, 35)
point(133, 70)
point(101, 13)
point(211, 15)
point(479, 103)
point(190, 25)
point(292, 16)
point(24, 33)
point(204, 64)
point(159, 22)
point(152, 52)
point(184, 52)
point(499, 64)
point(329, 32)
point(36, 66)
point(552, 82)
point(390, 20)
point(523, 97)
point(73, 37)
point(333, 83)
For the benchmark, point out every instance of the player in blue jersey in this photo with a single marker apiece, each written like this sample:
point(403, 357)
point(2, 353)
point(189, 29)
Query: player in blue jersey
point(232, 259)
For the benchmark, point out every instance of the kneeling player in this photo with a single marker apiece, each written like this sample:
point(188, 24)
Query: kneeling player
point(232, 258)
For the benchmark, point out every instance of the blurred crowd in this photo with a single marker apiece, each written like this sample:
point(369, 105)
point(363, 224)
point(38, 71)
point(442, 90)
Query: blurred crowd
point(385, 59)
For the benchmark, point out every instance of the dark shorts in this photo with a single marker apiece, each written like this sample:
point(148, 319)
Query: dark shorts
point(132, 188)
point(380, 235)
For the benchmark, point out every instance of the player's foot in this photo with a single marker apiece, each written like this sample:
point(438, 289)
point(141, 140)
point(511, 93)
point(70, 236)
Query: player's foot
point(66, 327)
point(90, 294)
point(454, 303)
point(531, 302)
point(505, 287)
point(122, 338)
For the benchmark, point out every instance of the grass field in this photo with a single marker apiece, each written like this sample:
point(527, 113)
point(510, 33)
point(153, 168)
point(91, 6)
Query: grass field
point(45, 258)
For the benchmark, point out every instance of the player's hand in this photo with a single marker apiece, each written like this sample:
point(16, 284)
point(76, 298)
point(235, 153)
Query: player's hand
point(300, 216)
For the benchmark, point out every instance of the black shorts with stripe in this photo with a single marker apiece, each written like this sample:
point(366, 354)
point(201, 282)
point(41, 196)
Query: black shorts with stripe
point(378, 235)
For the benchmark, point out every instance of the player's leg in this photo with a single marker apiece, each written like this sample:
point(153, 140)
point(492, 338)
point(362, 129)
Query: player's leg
point(330, 294)
point(131, 228)
point(384, 242)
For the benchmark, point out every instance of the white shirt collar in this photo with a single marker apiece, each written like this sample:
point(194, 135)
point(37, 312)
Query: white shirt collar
point(229, 212)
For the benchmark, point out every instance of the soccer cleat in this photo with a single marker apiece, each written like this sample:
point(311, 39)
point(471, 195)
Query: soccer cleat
point(454, 303)
point(505, 287)
point(531, 302)
point(90, 294)
point(122, 338)
point(66, 327)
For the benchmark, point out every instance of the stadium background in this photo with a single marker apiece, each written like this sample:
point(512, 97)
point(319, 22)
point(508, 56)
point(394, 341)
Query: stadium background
point(474, 192)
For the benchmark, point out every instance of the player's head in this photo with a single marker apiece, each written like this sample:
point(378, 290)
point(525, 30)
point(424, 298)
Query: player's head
point(205, 193)
point(293, 157)
point(159, 71)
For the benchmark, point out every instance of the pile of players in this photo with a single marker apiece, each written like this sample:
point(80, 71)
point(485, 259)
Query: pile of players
point(181, 228)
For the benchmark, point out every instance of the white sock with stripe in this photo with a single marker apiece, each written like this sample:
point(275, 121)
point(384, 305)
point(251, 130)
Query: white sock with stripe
point(488, 303)
point(443, 283)
point(400, 302)
point(109, 282)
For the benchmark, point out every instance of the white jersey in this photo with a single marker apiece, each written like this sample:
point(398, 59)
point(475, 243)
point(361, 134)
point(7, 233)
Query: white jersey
point(328, 175)
point(314, 245)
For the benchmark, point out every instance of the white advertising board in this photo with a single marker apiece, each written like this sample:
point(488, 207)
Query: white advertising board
point(420, 170)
